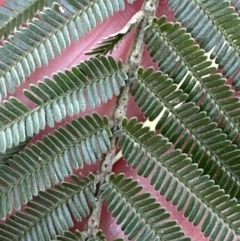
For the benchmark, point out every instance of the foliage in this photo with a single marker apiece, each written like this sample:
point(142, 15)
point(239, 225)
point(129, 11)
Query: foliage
point(191, 158)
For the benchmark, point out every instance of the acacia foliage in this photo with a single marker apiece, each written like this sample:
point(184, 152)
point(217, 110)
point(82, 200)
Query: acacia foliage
point(191, 157)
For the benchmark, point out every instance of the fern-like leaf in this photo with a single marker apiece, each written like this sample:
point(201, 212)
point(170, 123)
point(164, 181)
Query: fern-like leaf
point(203, 202)
point(111, 42)
point(13, 14)
point(177, 55)
point(214, 24)
point(77, 236)
point(140, 216)
point(51, 160)
point(156, 94)
point(11, 110)
point(66, 95)
point(52, 212)
point(46, 37)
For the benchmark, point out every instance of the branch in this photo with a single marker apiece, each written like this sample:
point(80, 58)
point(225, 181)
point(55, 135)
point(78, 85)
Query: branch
point(133, 61)
point(134, 58)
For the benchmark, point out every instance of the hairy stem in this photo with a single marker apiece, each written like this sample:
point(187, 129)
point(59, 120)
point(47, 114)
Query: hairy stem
point(133, 61)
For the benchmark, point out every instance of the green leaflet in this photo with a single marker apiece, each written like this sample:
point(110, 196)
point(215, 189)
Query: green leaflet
point(68, 94)
point(214, 24)
point(182, 182)
point(51, 160)
point(40, 221)
point(9, 112)
point(47, 36)
point(140, 216)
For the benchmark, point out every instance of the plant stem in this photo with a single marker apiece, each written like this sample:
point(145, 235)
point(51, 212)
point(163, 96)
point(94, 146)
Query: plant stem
point(135, 54)
point(133, 62)
point(134, 57)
